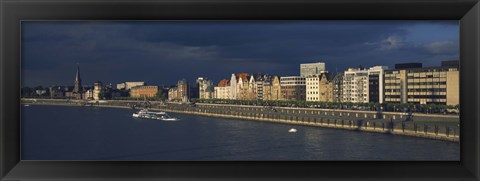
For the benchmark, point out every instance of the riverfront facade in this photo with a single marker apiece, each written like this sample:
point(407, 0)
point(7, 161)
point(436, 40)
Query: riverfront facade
point(406, 83)
point(293, 87)
point(319, 88)
point(423, 85)
point(144, 91)
point(205, 88)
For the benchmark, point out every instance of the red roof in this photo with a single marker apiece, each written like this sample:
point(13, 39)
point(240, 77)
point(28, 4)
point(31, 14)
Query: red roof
point(243, 76)
point(223, 83)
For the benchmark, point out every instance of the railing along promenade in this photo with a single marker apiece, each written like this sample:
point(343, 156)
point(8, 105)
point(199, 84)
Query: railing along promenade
point(442, 127)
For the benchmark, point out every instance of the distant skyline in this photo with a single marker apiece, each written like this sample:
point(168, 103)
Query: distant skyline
point(162, 52)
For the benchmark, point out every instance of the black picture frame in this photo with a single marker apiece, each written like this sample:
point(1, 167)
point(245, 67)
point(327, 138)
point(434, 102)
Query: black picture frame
point(14, 11)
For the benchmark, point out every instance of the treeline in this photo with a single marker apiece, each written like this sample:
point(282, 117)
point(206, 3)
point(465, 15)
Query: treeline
point(389, 107)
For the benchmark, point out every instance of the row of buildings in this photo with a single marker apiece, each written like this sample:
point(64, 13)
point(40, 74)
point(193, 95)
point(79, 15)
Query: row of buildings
point(98, 91)
point(406, 83)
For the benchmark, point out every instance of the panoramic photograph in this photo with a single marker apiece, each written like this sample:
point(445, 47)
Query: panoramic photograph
point(240, 90)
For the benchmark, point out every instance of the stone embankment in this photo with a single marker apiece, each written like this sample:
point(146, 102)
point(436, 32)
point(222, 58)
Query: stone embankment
point(441, 127)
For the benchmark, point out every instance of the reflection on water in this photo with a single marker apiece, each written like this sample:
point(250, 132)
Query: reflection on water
point(86, 133)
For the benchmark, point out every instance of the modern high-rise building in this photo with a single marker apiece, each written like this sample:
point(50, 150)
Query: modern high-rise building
point(355, 85)
point(307, 69)
point(375, 84)
point(411, 83)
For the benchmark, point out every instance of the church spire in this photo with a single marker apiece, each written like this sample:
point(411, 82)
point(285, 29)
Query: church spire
point(77, 77)
point(77, 85)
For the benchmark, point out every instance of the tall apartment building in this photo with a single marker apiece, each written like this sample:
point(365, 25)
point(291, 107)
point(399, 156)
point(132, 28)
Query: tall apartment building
point(293, 88)
point(412, 83)
point(312, 87)
point(355, 86)
point(272, 89)
point(307, 69)
point(183, 90)
point(376, 84)
point(363, 85)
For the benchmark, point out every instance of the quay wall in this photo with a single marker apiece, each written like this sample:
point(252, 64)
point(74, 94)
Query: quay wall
point(441, 127)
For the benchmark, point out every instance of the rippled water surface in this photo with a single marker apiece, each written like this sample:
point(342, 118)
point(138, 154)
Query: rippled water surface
point(87, 133)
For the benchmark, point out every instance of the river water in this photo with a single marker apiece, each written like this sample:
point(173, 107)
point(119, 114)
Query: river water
point(89, 133)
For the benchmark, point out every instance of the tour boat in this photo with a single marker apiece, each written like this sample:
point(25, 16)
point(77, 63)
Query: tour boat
point(293, 130)
point(144, 113)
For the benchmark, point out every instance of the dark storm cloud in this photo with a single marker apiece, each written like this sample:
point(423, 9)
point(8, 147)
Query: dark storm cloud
point(161, 52)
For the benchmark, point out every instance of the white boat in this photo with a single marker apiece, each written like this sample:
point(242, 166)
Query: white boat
point(293, 130)
point(144, 113)
point(26, 105)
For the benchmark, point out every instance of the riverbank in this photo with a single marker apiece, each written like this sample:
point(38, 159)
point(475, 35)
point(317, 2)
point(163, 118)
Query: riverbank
point(440, 127)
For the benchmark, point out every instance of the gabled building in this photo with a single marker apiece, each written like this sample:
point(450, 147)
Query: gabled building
point(242, 86)
point(319, 88)
point(172, 94)
point(223, 90)
point(205, 88)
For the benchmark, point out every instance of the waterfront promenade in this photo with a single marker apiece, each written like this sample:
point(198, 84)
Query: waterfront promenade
point(442, 127)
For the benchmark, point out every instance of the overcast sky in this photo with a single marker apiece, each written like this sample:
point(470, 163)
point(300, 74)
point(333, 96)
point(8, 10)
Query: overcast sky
point(161, 52)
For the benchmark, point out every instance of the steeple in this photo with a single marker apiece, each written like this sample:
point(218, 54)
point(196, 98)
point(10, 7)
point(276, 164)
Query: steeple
point(77, 77)
point(78, 82)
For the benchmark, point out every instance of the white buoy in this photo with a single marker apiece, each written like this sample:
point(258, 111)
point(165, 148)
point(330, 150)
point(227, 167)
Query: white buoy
point(293, 130)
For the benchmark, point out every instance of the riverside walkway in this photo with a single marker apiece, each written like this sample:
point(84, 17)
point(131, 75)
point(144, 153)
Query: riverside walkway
point(442, 127)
